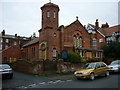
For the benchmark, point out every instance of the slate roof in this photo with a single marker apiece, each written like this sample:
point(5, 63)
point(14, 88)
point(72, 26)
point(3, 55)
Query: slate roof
point(108, 31)
point(36, 40)
point(13, 37)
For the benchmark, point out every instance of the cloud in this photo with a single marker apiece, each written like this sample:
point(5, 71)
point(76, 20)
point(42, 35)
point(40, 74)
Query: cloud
point(24, 18)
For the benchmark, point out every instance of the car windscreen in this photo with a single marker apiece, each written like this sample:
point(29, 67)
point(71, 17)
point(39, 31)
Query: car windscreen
point(5, 67)
point(88, 66)
point(115, 62)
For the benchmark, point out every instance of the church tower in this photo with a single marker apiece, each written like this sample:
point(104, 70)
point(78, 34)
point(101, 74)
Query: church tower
point(50, 13)
point(49, 46)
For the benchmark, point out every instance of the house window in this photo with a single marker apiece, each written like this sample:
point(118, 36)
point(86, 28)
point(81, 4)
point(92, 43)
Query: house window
point(48, 14)
point(1, 40)
point(94, 43)
point(0, 47)
point(97, 54)
point(7, 40)
point(101, 40)
point(54, 15)
point(6, 46)
point(119, 39)
point(82, 53)
point(108, 40)
point(54, 52)
point(15, 43)
point(55, 35)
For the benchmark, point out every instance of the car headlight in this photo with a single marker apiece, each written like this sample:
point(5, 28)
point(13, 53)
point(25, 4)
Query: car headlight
point(84, 72)
point(75, 72)
point(10, 71)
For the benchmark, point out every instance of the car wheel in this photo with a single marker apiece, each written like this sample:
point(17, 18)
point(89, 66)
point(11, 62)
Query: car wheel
point(107, 73)
point(11, 76)
point(92, 76)
point(78, 78)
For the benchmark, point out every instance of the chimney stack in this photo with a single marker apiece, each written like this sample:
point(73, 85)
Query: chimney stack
point(105, 25)
point(3, 32)
point(15, 35)
point(96, 24)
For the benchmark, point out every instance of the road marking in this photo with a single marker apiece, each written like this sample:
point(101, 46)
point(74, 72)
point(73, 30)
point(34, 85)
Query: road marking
point(23, 87)
point(50, 82)
point(42, 83)
point(68, 80)
point(31, 85)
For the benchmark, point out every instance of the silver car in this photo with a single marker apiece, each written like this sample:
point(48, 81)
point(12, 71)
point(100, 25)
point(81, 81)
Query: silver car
point(114, 66)
point(6, 71)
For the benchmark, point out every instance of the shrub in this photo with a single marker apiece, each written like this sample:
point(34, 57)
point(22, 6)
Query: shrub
point(112, 50)
point(93, 60)
point(104, 59)
point(84, 60)
point(74, 57)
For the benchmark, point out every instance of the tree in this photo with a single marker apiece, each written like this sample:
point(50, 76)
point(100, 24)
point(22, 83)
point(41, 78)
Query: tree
point(112, 50)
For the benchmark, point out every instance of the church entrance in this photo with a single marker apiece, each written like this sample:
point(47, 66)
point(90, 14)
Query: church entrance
point(50, 66)
point(42, 51)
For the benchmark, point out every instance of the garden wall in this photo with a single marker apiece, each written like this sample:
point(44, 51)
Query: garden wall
point(38, 67)
point(66, 67)
point(26, 67)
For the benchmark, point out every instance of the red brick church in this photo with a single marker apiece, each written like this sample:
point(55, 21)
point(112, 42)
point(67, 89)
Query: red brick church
point(54, 38)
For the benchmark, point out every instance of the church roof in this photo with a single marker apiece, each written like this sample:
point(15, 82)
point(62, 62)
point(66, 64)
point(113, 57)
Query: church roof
point(36, 40)
point(50, 4)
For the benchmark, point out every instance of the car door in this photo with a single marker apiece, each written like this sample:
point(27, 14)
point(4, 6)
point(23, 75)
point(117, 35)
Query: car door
point(97, 69)
point(104, 68)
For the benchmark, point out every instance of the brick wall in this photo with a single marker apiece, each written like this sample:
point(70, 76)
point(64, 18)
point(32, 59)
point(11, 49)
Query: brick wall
point(66, 67)
point(72, 30)
point(27, 67)
point(11, 54)
point(29, 54)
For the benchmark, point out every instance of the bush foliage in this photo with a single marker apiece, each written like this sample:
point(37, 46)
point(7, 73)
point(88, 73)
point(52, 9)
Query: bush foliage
point(74, 57)
point(112, 50)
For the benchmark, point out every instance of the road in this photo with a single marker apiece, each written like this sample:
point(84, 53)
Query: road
point(24, 81)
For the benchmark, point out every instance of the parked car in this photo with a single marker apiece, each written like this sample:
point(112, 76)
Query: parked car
point(91, 70)
point(6, 71)
point(114, 66)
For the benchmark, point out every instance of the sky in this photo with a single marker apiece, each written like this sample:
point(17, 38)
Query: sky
point(23, 17)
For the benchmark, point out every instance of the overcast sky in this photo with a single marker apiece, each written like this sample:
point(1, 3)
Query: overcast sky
point(24, 16)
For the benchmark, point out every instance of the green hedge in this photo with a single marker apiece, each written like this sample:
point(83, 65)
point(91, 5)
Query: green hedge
point(74, 57)
point(89, 60)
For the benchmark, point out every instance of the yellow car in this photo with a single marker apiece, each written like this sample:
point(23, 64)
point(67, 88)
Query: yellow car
point(91, 70)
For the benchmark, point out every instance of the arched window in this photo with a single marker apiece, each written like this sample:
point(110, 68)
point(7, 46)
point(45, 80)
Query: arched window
point(77, 41)
point(75, 44)
point(54, 15)
point(54, 52)
point(48, 14)
point(81, 42)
